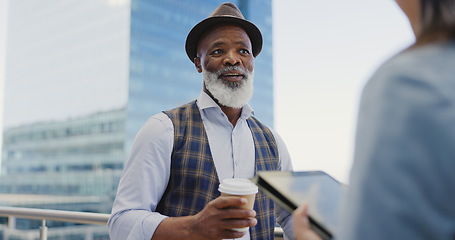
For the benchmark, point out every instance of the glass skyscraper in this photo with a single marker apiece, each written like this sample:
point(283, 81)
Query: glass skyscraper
point(83, 76)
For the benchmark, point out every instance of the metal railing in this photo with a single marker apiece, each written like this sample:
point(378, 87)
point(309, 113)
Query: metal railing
point(56, 215)
point(65, 216)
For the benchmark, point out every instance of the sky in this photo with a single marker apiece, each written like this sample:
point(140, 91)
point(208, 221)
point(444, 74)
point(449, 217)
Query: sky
point(3, 17)
point(324, 52)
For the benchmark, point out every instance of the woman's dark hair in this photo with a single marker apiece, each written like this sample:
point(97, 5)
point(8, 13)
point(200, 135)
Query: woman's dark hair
point(438, 20)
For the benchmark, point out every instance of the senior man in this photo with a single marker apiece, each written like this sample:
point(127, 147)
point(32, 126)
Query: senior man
point(169, 187)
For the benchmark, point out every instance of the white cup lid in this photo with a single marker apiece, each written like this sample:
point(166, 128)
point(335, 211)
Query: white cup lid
point(238, 186)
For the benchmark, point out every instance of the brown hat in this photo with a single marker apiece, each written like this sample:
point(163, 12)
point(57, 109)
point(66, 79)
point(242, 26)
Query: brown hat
point(225, 13)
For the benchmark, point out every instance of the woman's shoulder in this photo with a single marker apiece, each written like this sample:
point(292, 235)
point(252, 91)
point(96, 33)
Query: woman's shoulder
point(430, 65)
point(424, 61)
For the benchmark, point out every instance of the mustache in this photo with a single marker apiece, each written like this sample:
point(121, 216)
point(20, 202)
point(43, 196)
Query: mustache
point(232, 68)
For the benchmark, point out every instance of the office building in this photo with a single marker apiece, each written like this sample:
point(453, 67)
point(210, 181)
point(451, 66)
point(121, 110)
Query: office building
point(78, 157)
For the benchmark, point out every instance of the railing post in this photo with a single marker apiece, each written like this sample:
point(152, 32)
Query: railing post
point(43, 231)
point(11, 222)
point(11, 226)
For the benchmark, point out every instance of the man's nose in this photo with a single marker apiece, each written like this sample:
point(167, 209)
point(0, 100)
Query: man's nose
point(232, 59)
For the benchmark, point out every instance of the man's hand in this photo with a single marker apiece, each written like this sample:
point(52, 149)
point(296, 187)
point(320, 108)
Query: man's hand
point(301, 224)
point(215, 221)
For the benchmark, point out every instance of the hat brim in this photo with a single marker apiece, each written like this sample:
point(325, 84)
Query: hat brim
point(193, 37)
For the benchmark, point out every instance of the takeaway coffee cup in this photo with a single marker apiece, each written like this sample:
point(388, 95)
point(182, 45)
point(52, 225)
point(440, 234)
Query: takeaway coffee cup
point(239, 187)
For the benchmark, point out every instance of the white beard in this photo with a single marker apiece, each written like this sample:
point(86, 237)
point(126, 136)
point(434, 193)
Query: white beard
point(229, 94)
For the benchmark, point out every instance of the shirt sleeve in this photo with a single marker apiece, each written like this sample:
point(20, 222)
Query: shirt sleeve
point(143, 182)
point(401, 184)
point(284, 218)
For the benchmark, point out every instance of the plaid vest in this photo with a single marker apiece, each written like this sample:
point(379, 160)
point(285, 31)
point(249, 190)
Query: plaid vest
point(194, 182)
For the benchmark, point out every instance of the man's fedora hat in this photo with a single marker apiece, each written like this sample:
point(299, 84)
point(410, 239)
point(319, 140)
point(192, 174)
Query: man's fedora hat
point(225, 13)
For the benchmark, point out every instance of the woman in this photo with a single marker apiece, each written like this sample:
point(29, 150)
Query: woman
point(402, 182)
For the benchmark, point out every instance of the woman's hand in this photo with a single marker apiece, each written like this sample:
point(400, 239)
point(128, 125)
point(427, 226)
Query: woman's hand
point(301, 224)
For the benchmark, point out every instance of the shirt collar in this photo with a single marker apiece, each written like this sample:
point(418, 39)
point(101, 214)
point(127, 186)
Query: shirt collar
point(204, 101)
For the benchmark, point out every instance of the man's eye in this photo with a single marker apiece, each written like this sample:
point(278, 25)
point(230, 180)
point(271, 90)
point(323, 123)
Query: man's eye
point(244, 51)
point(218, 51)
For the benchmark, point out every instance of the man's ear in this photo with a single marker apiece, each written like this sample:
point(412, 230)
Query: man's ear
point(197, 63)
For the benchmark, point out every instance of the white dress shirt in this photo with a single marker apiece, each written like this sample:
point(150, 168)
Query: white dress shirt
point(147, 171)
